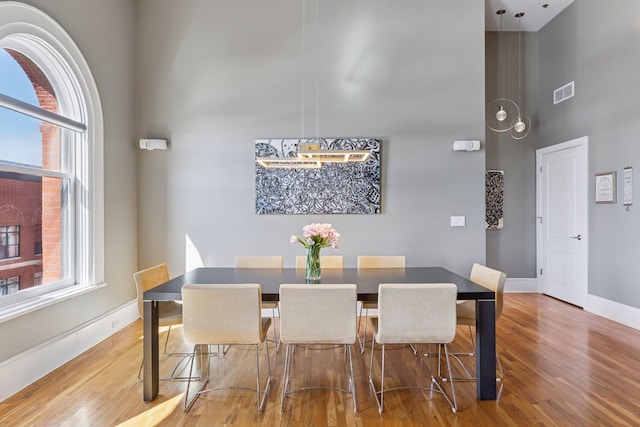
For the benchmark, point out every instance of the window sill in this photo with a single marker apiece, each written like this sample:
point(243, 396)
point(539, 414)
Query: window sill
point(20, 309)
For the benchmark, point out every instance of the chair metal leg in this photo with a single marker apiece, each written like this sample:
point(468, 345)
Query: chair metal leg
point(499, 364)
point(166, 343)
point(362, 340)
point(172, 376)
point(352, 383)
point(275, 340)
point(468, 376)
point(285, 376)
point(265, 393)
point(380, 401)
point(204, 361)
point(275, 330)
point(452, 399)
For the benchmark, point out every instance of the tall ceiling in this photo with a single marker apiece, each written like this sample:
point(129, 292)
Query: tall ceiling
point(535, 15)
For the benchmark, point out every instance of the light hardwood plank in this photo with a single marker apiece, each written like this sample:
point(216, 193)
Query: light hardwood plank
point(562, 366)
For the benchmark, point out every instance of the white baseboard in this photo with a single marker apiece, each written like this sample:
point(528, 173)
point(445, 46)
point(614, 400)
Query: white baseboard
point(621, 313)
point(615, 311)
point(515, 285)
point(29, 366)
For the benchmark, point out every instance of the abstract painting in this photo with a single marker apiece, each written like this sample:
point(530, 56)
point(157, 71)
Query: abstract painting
point(494, 193)
point(334, 188)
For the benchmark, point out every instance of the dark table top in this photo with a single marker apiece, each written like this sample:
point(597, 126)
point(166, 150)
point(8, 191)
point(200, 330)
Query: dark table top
point(367, 280)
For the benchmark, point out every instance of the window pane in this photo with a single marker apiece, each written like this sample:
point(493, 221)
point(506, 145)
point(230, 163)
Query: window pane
point(21, 140)
point(9, 285)
point(9, 241)
point(14, 82)
point(34, 231)
point(26, 140)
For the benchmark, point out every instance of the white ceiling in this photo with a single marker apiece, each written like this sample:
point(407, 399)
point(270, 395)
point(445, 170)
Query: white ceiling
point(535, 16)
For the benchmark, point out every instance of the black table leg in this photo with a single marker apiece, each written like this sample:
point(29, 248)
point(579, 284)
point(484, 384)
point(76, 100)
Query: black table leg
point(486, 349)
point(151, 371)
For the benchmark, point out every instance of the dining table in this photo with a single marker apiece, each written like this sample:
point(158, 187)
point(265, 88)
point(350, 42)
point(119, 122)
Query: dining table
point(367, 281)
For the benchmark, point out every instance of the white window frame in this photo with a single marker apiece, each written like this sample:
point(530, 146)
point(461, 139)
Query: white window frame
point(36, 35)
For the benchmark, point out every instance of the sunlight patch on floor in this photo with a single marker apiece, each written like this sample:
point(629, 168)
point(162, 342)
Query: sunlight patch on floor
point(155, 415)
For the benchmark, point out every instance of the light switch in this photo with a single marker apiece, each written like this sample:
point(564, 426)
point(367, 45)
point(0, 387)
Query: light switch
point(457, 221)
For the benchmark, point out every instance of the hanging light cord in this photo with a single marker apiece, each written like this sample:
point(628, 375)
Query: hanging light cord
point(317, 67)
point(502, 78)
point(302, 73)
point(302, 88)
point(520, 91)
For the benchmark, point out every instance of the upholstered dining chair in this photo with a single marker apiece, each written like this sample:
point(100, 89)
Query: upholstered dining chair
point(170, 312)
point(414, 313)
point(466, 311)
point(373, 261)
point(224, 314)
point(264, 261)
point(326, 261)
point(317, 314)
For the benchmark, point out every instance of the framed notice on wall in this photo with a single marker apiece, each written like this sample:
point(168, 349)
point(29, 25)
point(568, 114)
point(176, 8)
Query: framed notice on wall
point(605, 187)
point(627, 199)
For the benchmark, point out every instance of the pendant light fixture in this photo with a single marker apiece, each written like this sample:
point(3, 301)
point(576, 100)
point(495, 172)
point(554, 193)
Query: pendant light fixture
point(311, 149)
point(309, 153)
point(501, 112)
point(521, 124)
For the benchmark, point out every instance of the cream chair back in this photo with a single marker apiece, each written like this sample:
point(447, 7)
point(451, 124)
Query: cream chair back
point(329, 261)
point(258, 262)
point(414, 313)
point(491, 279)
point(149, 278)
point(318, 314)
point(222, 313)
point(386, 261)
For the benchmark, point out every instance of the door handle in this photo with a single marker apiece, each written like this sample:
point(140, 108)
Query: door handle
point(578, 237)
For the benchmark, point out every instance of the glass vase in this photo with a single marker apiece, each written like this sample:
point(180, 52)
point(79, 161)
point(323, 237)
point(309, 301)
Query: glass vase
point(313, 263)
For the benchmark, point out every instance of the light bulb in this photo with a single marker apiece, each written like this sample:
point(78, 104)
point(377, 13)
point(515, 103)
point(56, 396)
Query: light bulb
point(501, 114)
point(519, 126)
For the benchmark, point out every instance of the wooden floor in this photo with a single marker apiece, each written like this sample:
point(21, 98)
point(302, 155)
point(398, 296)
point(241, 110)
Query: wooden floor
point(563, 367)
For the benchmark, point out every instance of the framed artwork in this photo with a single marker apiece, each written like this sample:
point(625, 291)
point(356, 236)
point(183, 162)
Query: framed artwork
point(494, 194)
point(605, 187)
point(334, 188)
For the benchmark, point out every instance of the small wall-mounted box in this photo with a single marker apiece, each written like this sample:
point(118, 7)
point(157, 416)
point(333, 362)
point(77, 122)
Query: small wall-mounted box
point(153, 144)
point(458, 221)
point(466, 145)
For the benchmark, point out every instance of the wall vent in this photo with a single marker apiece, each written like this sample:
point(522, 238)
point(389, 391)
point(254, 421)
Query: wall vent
point(563, 93)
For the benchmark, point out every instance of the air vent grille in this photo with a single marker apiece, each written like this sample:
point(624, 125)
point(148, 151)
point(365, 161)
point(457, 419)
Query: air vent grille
point(563, 93)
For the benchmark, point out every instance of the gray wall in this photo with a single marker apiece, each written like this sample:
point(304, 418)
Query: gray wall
point(598, 47)
point(214, 76)
point(105, 33)
point(512, 249)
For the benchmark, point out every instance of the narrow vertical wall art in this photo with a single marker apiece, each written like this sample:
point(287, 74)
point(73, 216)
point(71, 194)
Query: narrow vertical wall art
point(494, 194)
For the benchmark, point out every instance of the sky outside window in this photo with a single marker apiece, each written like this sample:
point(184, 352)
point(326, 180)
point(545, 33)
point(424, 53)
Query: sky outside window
point(20, 137)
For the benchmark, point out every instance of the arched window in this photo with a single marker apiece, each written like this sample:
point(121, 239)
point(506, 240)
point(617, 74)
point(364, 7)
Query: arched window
point(51, 184)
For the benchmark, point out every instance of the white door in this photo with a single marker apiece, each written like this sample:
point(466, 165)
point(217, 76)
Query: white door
point(562, 233)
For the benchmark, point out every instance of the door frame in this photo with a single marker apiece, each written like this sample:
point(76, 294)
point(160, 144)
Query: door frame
point(583, 144)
